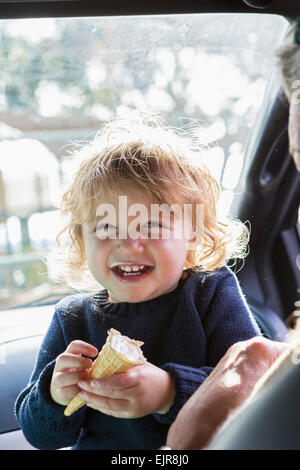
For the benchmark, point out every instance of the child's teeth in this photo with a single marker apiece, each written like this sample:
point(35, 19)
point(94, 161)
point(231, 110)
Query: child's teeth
point(131, 268)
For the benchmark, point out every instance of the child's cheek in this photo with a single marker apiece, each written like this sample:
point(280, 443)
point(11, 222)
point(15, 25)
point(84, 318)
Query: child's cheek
point(169, 247)
point(97, 250)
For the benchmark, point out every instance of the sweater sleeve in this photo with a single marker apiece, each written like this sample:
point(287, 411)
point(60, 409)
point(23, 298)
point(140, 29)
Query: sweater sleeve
point(41, 419)
point(226, 320)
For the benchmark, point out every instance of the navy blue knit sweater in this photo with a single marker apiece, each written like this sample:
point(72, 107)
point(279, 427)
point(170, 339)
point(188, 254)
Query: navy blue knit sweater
point(185, 332)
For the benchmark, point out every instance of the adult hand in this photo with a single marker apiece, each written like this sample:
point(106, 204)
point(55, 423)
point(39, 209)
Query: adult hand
point(140, 391)
point(227, 387)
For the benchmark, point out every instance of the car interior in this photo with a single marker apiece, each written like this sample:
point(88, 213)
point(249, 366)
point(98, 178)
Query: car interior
point(36, 112)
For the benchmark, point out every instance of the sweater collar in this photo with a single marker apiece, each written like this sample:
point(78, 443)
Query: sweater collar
point(100, 302)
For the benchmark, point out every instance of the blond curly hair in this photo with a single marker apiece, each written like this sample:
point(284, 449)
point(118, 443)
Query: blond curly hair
point(166, 164)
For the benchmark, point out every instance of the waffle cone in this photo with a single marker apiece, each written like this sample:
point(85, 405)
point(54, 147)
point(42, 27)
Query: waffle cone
point(108, 362)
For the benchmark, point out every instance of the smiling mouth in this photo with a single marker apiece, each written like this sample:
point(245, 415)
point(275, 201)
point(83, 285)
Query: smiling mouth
point(133, 275)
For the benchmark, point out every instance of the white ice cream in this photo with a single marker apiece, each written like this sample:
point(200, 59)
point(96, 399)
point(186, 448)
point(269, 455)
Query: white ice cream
point(124, 346)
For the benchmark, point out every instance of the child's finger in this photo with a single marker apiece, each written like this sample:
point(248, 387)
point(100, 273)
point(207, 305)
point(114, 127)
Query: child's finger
point(106, 405)
point(67, 393)
point(64, 379)
point(120, 381)
point(65, 361)
point(85, 386)
point(81, 347)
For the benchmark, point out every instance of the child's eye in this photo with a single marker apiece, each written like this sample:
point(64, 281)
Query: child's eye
point(104, 226)
point(154, 224)
point(104, 231)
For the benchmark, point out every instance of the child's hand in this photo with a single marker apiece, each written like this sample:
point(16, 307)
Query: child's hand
point(140, 391)
point(70, 368)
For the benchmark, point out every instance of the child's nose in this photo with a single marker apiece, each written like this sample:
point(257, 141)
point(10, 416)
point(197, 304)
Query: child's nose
point(130, 244)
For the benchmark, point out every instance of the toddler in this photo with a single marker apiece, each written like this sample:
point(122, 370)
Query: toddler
point(144, 240)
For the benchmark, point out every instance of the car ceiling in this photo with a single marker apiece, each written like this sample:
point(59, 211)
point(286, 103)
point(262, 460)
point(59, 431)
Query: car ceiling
point(21, 9)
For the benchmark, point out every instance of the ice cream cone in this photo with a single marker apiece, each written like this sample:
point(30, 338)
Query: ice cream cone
point(118, 354)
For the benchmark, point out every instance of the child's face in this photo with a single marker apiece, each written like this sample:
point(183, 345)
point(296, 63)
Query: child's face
point(165, 257)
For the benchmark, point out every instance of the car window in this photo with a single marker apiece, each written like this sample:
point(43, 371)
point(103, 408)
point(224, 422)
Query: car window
point(61, 79)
